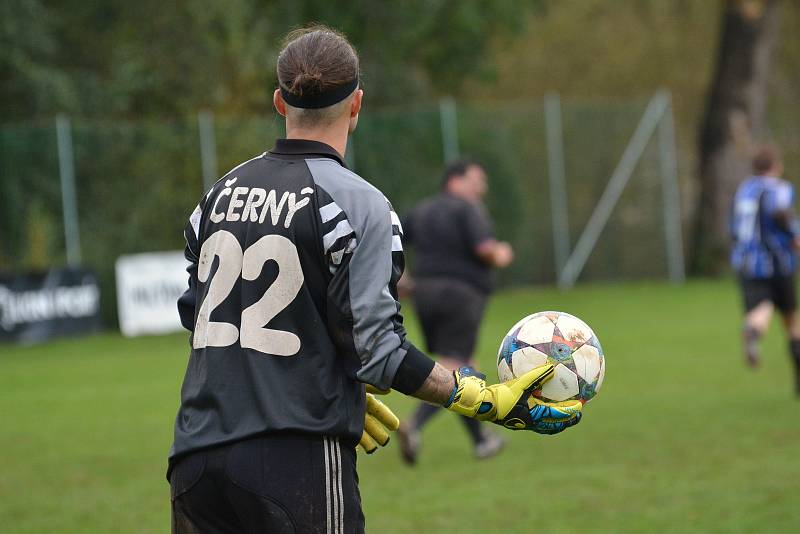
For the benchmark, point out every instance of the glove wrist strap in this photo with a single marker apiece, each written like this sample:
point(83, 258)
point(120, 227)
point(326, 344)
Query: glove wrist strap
point(465, 398)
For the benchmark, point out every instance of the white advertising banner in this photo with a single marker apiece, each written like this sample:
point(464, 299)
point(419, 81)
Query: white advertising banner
point(148, 287)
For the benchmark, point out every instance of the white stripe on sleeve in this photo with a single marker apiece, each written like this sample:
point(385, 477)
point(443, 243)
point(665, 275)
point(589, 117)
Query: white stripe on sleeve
point(783, 197)
point(336, 257)
point(329, 211)
point(342, 229)
point(397, 244)
point(396, 220)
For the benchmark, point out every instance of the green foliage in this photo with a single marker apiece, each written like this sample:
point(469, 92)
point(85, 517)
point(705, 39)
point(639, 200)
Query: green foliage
point(30, 79)
point(154, 57)
point(682, 437)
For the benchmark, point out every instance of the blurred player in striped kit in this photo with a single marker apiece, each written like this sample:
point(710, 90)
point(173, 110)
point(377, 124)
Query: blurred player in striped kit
point(766, 239)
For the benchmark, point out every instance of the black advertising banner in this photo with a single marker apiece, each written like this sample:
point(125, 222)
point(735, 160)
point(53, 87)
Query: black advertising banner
point(38, 307)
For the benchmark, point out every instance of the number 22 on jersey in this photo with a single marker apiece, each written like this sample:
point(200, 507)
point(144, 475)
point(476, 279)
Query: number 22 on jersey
point(233, 263)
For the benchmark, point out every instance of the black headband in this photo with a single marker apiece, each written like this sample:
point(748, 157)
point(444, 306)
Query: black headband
point(320, 100)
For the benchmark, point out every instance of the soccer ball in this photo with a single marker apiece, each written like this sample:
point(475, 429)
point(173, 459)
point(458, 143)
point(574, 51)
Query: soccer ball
point(563, 340)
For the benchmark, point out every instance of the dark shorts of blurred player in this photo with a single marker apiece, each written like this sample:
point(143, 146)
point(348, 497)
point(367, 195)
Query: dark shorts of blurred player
point(241, 488)
point(450, 313)
point(779, 291)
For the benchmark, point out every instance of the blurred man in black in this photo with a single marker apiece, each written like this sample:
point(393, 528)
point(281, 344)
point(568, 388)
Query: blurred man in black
point(455, 254)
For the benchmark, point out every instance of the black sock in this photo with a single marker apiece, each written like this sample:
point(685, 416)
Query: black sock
point(474, 428)
point(794, 349)
point(423, 413)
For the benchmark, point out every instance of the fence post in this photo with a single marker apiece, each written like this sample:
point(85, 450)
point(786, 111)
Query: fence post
point(616, 184)
point(208, 148)
point(449, 122)
point(69, 202)
point(667, 156)
point(558, 189)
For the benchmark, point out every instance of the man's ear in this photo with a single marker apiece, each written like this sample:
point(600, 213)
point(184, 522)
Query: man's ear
point(355, 106)
point(277, 101)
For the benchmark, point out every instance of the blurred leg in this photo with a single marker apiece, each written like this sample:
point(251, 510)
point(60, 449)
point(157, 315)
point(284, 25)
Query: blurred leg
point(785, 299)
point(794, 349)
point(756, 322)
point(473, 428)
point(423, 414)
point(791, 322)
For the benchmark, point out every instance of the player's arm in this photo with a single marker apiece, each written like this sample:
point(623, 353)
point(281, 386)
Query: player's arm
point(784, 214)
point(787, 221)
point(495, 253)
point(483, 243)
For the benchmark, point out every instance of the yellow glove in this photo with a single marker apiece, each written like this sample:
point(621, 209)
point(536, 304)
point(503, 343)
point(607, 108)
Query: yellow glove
point(378, 421)
point(509, 403)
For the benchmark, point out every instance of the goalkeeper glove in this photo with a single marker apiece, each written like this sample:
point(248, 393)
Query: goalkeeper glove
point(510, 404)
point(378, 421)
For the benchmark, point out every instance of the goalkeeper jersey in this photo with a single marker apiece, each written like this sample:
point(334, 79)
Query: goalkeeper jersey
point(292, 301)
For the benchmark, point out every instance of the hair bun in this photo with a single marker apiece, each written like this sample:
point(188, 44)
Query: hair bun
point(306, 83)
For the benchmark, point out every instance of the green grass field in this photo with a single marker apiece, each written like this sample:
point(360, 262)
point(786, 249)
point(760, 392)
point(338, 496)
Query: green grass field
point(682, 438)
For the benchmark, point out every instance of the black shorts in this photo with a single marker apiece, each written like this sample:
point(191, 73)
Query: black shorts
point(279, 484)
point(450, 312)
point(780, 290)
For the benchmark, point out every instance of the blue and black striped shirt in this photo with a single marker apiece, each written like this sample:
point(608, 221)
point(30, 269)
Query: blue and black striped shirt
point(762, 235)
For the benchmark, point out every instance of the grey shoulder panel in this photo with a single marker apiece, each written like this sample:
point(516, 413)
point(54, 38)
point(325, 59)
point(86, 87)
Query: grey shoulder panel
point(338, 180)
point(367, 262)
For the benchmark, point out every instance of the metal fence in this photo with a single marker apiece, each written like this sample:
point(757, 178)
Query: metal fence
point(80, 190)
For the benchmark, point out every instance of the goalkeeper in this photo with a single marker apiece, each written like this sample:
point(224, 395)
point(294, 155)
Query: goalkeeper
point(290, 315)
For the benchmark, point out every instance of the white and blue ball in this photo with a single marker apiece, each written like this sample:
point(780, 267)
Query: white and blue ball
point(563, 340)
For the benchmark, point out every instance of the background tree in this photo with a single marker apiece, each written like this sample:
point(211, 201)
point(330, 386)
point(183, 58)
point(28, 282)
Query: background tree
point(29, 76)
point(114, 57)
point(734, 121)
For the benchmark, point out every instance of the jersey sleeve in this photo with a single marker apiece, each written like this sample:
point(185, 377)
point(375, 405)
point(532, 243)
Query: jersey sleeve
point(783, 197)
point(781, 207)
point(363, 249)
point(187, 301)
point(476, 226)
